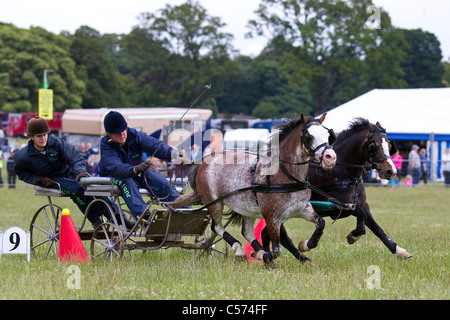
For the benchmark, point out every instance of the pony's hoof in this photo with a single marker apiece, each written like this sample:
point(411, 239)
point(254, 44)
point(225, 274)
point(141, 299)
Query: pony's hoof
point(402, 254)
point(352, 239)
point(308, 263)
point(270, 265)
point(303, 246)
point(241, 258)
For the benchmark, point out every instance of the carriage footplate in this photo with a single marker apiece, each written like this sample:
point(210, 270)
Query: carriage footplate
point(174, 226)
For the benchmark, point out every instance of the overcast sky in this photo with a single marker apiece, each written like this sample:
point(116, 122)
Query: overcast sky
point(114, 16)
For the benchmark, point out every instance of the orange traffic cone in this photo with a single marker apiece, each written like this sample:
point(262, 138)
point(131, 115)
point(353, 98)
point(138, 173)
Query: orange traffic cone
point(71, 249)
point(248, 247)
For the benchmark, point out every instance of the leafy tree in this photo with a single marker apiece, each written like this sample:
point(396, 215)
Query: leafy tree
point(329, 42)
point(384, 62)
point(446, 75)
point(198, 52)
point(95, 68)
point(422, 65)
point(265, 110)
point(24, 54)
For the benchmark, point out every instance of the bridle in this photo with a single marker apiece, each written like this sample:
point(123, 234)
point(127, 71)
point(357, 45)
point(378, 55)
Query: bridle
point(373, 149)
point(306, 139)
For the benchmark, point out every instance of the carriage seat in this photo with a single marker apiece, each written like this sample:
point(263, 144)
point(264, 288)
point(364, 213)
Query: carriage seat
point(100, 187)
point(49, 192)
point(104, 187)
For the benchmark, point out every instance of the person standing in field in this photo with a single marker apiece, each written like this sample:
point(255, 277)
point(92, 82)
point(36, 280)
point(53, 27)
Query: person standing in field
point(446, 167)
point(414, 167)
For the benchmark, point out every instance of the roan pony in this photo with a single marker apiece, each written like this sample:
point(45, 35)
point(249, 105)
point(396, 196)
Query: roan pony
point(255, 186)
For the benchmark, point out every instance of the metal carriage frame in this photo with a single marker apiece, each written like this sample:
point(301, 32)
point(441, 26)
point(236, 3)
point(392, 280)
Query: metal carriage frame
point(153, 230)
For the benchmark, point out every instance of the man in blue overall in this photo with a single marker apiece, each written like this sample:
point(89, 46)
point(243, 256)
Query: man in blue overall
point(48, 161)
point(122, 157)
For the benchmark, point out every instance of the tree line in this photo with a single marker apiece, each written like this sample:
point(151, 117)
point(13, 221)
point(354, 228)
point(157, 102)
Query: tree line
point(319, 55)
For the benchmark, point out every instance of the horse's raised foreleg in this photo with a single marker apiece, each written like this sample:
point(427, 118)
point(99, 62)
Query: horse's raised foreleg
point(320, 225)
point(378, 231)
point(360, 227)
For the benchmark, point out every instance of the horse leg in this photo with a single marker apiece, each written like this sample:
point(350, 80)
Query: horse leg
point(378, 231)
point(285, 242)
point(261, 253)
point(217, 227)
point(273, 229)
point(320, 225)
point(360, 227)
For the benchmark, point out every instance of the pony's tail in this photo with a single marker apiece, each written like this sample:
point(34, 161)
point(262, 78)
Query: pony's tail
point(192, 175)
point(190, 199)
point(187, 200)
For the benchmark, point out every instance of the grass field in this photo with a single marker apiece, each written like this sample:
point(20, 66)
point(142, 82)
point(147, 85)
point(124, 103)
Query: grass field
point(417, 219)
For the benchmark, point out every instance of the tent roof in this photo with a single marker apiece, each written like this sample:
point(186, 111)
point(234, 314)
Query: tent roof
point(407, 112)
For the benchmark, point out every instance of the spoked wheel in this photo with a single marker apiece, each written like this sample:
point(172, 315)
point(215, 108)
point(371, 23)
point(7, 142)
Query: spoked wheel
point(107, 242)
point(44, 231)
point(213, 244)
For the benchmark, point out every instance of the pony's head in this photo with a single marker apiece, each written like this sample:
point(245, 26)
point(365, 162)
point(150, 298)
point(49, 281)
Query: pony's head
point(317, 141)
point(380, 149)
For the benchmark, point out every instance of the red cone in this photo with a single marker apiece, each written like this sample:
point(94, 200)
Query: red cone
point(71, 249)
point(248, 247)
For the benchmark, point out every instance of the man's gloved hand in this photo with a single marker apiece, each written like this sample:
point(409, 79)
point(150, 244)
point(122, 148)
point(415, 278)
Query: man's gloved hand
point(46, 182)
point(142, 167)
point(81, 175)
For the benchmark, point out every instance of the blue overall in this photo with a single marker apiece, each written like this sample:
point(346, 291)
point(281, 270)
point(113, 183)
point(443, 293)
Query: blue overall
point(118, 162)
point(60, 162)
point(129, 188)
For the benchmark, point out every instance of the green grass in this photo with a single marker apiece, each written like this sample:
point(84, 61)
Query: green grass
point(417, 219)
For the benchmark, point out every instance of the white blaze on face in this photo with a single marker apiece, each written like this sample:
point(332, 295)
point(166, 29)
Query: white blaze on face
point(321, 135)
point(385, 146)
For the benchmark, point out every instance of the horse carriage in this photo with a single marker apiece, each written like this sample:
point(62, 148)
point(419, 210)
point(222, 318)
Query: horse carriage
point(299, 177)
point(153, 230)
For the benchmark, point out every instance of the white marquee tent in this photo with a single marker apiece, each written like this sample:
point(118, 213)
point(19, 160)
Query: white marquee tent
point(407, 114)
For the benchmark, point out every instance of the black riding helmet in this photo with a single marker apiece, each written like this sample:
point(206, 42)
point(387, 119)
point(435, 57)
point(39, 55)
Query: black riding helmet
point(114, 122)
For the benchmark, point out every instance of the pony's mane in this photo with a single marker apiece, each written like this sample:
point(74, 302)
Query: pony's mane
point(287, 128)
point(357, 125)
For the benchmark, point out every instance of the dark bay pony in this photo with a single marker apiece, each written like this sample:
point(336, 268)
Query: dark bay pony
point(362, 143)
point(271, 187)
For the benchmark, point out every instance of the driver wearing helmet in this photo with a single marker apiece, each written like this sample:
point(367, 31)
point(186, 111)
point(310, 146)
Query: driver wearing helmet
point(122, 157)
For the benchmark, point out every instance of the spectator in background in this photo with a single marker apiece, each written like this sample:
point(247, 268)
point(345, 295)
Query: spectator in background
point(414, 164)
point(11, 171)
point(1, 166)
point(446, 167)
point(85, 154)
point(397, 158)
point(424, 165)
point(408, 181)
point(196, 154)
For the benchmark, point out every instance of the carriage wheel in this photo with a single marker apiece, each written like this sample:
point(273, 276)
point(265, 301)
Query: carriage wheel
point(213, 244)
point(107, 242)
point(216, 245)
point(44, 231)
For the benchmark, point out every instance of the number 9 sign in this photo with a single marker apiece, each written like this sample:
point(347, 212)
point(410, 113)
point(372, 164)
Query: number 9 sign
point(15, 241)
